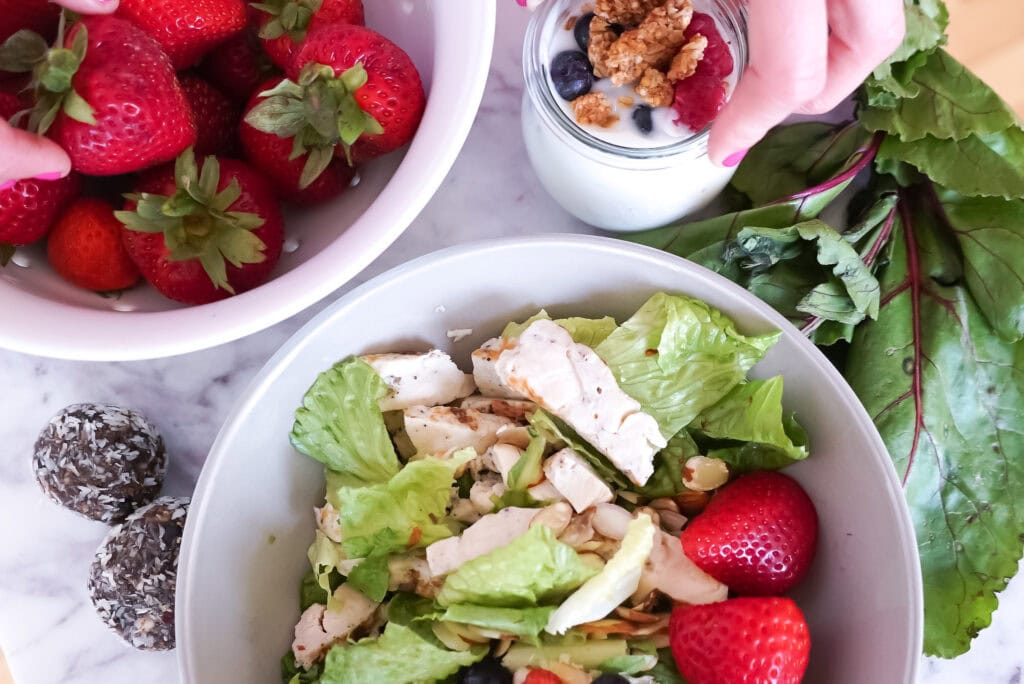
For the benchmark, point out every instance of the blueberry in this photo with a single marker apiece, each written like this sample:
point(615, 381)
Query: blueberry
point(487, 671)
point(572, 74)
point(611, 679)
point(642, 119)
point(581, 30)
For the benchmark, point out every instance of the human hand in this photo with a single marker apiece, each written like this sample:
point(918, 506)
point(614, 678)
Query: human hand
point(806, 56)
point(26, 155)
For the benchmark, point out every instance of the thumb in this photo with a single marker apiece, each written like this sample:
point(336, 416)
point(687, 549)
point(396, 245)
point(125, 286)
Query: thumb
point(788, 57)
point(89, 6)
point(26, 155)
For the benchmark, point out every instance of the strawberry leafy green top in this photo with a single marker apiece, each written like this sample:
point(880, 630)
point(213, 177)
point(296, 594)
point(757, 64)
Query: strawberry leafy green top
point(926, 286)
point(290, 17)
point(197, 221)
point(52, 71)
point(319, 112)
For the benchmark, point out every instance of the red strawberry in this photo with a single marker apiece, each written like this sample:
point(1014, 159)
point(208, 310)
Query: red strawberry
point(30, 206)
point(85, 248)
point(373, 71)
point(271, 155)
point(238, 66)
point(758, 535)
point(112, 99)
point(216, 117)
point(284, 24)
point(539, 676)
point(186, 29)
point(753, 640)
point(200, 237)
point(38, 16)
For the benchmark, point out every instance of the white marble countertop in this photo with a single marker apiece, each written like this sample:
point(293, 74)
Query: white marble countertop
point(47, 627)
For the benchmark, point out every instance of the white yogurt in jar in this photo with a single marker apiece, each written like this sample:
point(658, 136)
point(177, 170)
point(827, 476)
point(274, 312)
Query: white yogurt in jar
point(618, 178)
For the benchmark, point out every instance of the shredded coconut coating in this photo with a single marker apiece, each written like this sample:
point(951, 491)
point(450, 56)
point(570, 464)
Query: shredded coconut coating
point(594, 109)
point(651, 44)
point(132, 579)
point(100, 461)
point(684, 64)
point(625, 12)
point(655, 89)
point(601, 39)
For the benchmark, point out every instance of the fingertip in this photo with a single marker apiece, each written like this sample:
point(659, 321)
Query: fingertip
point(89, 6)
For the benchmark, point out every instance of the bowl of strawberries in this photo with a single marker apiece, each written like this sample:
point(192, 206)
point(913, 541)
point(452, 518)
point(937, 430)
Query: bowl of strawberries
point(232, 163)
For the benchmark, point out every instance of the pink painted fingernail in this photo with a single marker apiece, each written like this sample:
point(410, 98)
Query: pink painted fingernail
point(735, 158)
point(8, 185)
point(521, 3)
point(52, 176)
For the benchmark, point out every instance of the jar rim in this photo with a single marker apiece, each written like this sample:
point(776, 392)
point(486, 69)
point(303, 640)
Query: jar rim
point(535, 76)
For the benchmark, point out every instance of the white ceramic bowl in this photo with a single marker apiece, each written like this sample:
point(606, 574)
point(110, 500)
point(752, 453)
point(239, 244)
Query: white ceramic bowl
point(251, 518)
point(450, 41)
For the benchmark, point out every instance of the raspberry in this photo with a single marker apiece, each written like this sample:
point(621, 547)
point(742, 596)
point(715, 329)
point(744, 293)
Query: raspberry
point(717, 56)
point(698, 99)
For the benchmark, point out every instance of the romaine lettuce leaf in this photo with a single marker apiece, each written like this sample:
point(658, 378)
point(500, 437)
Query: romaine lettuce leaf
point(557, 432)
point(340, 424)
point(371, 576)
point(677, 356)
point(528, 470)
point(398, 514)
point(619, 578)
point(533, 570)
point(752, 414)
point(588, 331)
point(324, 556)
point(629, 664)
point(667, 479)
point(399, 656)
point(527, 622)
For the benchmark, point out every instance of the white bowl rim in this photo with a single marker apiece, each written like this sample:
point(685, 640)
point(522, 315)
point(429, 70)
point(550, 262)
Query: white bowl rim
point(81, 334)
point(280, 362)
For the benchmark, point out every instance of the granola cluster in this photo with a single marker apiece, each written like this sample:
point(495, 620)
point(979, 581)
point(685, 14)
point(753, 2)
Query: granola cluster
point(594, 109)
point(649, 50)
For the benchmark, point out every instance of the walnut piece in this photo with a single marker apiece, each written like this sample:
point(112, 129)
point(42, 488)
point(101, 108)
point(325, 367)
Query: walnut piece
point(594, 109)
point(655, 89)
point(684, 64)
point(625, 12)
point(651, 44)
point(601, 38)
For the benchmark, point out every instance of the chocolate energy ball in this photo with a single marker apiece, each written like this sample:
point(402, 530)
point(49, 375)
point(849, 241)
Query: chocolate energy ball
point(100, 461)
point(135, 572)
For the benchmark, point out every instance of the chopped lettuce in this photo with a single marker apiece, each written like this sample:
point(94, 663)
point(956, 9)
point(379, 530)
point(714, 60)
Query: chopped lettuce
point(629, 664)
point(324, 557)
point(398, 514)
point(612, 585)
point(533, 570)
point(677, 356)
point(589, 654)
point(371, 576)
point(666, 672)
point(341, 425)
point(752, 414)
point(557, 432)
point(399, 656)
point(526, 622)
point(527, 470)
point(292, 672)
point(311, 592)
point(588, 331)
point(667, 479)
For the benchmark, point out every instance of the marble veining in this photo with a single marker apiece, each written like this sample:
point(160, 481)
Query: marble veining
point(47, 627)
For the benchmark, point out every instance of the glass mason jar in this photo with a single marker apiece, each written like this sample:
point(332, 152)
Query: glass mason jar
point(606, 185)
